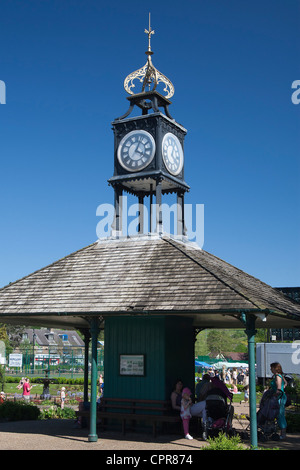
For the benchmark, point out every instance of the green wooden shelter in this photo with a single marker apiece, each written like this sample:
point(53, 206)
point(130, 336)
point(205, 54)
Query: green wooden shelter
point(152, 294)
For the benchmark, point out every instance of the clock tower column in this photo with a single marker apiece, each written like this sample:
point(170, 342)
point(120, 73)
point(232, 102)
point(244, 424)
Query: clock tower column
point(148, 149)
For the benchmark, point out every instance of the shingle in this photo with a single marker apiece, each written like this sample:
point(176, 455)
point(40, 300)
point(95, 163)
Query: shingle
point(141, 275)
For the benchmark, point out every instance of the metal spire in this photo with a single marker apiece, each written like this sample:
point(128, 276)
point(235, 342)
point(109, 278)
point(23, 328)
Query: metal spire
point(148, 75)
point(149, 32)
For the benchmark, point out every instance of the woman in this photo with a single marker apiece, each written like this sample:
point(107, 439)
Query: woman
point(234, 376)
point(277, 385)
point(26, 390)
point(176, 395)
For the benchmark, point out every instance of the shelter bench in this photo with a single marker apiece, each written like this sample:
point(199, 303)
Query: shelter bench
point(133, 410)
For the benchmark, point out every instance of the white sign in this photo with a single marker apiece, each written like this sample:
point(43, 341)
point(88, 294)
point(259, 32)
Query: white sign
point(132, 364)
point(15, 360)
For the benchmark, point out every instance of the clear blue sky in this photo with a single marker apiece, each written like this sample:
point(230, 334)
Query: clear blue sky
point(232, 63)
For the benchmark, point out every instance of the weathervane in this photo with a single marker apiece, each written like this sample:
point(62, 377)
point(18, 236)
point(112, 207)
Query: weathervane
point(148, 75)
point(149, 32)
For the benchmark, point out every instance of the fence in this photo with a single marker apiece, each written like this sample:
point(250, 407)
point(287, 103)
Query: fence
point(61, 362)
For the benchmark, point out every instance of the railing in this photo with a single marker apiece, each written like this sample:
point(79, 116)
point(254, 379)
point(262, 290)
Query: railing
point(59, 362)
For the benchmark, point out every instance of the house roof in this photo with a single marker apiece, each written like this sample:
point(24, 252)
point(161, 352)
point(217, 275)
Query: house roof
point(236, 356)
point(60, 338)
point(149, 275)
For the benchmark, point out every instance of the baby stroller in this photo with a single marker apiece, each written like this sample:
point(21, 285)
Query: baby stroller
point(219, 415)
point(266, 416)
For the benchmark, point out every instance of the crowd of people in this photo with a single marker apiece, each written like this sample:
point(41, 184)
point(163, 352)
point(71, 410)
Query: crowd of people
point(182, 402)
point(232, 377)
point(25, 387)
point(225, 383)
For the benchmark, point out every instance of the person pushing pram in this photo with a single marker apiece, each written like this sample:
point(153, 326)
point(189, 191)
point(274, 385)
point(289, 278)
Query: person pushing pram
point(272, 405)
point(219, 413)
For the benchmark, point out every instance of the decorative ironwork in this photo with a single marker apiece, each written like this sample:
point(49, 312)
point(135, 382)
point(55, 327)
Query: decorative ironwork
point(148, 75)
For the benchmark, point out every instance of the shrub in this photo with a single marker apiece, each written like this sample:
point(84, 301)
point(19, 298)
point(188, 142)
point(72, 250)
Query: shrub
point(222, 442)
point(55, 411)
point(18, 411)
point(58, 380)
point(293, 422)
point(12, 380)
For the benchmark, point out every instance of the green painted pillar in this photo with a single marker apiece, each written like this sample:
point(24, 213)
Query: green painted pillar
point(94, 329)
point(87, 338)
point(250, 332)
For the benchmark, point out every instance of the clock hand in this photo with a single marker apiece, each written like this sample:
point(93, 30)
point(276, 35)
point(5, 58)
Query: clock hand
point(170, 154)
point(140, 150)
point(137, 152)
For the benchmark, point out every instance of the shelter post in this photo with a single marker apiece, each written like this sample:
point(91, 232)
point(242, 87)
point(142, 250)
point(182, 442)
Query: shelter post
point(94, 329)
point(250, 331)
point(87, 338)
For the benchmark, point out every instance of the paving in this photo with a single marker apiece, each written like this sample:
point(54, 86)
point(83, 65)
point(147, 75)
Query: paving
point(57, 434)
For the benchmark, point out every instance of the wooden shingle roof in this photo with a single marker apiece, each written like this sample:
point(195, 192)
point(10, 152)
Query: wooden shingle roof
point(146, 276)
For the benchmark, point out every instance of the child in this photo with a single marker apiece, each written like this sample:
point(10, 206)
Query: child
point(246, 389)
point(2, 398)
point(20, 384)
point(185, 412)
point(62, 397)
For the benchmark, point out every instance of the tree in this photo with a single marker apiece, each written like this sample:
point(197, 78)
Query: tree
point(261, 336)
point(201, 348)
point(3, 333)
point(2, 377)
point(219, 342)
point(15, 335)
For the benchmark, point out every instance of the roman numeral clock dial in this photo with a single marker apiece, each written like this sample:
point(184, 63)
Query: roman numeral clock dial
point(136, 150)
point(172, 154)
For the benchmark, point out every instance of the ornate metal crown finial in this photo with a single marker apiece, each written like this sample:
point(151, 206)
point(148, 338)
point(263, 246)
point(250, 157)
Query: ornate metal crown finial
point(149, 75)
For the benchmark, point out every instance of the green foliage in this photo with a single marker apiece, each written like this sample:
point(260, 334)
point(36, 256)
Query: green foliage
point(222, 442)
point(261, 335)
point(220, 341)
point(54, 412)
point(293, 422)
point(296, 385)
point(18, 411)
point(11, 380)
point(2, 377)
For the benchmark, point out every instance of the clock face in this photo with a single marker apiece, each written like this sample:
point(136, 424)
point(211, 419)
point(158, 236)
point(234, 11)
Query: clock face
point(172, 154)
point(136, 150)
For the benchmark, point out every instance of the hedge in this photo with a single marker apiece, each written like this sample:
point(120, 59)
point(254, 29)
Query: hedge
point(58, 380)
point(17, 411)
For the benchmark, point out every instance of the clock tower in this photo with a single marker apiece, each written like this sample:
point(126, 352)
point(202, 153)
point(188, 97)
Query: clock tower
point(148, 148)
